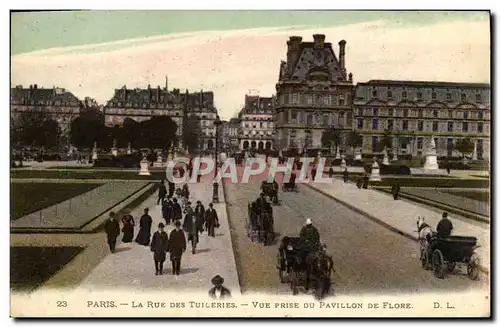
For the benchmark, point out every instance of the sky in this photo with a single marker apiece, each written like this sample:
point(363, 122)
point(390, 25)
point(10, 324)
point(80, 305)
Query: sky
point(231, 53)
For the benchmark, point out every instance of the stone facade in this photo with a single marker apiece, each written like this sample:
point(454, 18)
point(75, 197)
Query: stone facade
point(314, 92)
point(230, 132)
point(416, 111)
point(257, 123)
point(60, 104)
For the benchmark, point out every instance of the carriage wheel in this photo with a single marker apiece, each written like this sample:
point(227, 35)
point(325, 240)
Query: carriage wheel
point(473, 267)
point(451, 266)
point(438, 263)
point(424, 259)
point(280, 268)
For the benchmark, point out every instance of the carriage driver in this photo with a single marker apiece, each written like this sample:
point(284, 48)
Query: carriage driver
point(309, 236)
point(444, 226)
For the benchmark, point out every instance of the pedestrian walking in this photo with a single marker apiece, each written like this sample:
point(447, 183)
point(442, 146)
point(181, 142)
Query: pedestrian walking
point(177, 247)
point(199, 211)
point(365, 181)
point(313, 173)
point(128, 228)
point(162, 193)
point(192, 225)
point(177, 210)
point(395, 190)
point(159, 247)
point(167, 210)
point(219, 292)
point(346, 176)
point(330, 172)
point(171, 188)
point(112, 228)
point(185, 192)
point(144, 235)
point(211, 220)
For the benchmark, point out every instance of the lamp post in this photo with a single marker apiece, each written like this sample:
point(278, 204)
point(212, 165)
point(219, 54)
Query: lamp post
point(215, 197)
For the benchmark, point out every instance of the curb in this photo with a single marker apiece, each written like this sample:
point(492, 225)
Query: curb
point(230, 232)
point(375, 219)
point(441, 205)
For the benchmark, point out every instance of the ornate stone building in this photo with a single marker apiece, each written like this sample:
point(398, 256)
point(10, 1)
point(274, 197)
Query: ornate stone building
point(230, 131)
point(60, 104)
point(257, 123)
point(416, 111)
point(142, 104)
point(314, 92)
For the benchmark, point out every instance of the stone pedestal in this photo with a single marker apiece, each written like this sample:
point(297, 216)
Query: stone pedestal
point(337, 154)
point(474, 154)
point(357, 155)
point(375, 174)
point(431, 157)
point(343, 164)
point(114, 152)
point(144, 168)
point(385, 161)
point(94, 154)
point(129, 149)
point(395, 157)
point(159, 162)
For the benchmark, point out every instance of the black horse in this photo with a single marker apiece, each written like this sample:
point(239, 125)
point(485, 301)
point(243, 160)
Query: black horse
point(319, 265)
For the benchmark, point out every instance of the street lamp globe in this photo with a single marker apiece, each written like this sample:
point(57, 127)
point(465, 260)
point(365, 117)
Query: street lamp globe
point(215, 196)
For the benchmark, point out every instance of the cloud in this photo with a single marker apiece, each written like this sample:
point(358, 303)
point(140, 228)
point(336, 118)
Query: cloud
point(232, 62)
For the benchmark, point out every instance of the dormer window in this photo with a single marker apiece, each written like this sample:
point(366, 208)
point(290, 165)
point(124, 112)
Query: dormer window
point(463, 97)
point(448, 96)
point(404, 95)
point(374, 93)
point(389, 94)
point(478, 98)
point(419, 96)
point(434, 95)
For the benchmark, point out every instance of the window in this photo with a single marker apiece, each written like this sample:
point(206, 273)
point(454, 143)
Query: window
point(390, 124)
point(466, 114)
point(295, 99)
point(389, 94)
point(309, 118)
point(434, 126)
point(434, 96)
point(374, 93)
point(342, 114)
point(375, 124)
point(294, 114)
point(465, 126)
point(405, 95)
point(419, 96)
point(479, 127)
point(375, 111)
point(326, 100)
point(450, 113)
point(450, 126)
point(420, 113)
point(435, 113)
point(448, 96)
point(420, 125)
point(420, 143)
point(360, 123)
point(391, 112)
point(478, 98)
point(325, 119)
point(463, 97)
point(405, 112)
point(405, 125)
point(309, 99)
point(480, 114)
point(374, 143)
point(360, 111)
point(341, 100)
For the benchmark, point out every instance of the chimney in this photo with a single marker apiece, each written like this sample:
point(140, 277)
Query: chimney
point(342, 54)
point(35, 86)
point(158, 94)
point(319, 41)
point(293, 52)
point(166, 83)
point(350, 77)
point(124, 94)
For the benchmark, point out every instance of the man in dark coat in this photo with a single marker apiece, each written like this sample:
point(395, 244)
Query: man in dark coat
point(211, 220)
point(219, 292)
point(171, 188)
point(167, 210)
point(444, 226)
point(162, 193)
point(366, 179)
point(177, 246)
point(159, 246)
point(309, 236)
point(144, 235)
point(177, 210)
point(313, 173)
point(346, 176)
point(112, 228)
point(192, 225)
point(395, 190)
point(199, 211)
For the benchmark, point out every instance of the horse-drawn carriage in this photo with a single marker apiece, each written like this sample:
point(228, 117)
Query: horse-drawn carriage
point(444, 254)
point(300, 266)
point(260, 223)
point(270, 189)
point(290, 186)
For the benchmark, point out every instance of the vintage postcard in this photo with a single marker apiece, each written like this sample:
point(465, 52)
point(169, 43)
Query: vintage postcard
point(250, 164)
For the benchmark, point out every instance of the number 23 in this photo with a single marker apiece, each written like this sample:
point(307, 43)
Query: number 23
point(61, 304)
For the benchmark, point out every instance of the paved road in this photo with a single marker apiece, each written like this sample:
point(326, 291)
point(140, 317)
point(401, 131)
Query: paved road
point(368, 257)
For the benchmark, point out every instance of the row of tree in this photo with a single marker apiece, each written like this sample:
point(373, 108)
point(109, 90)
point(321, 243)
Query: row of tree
point(37, 129)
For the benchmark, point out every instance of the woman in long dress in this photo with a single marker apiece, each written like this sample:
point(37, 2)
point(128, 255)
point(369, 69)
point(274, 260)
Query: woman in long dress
point(128, 228)
point(144, 235)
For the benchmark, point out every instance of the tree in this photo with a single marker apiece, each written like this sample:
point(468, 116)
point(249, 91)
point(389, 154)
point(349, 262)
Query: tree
point(464, 146)
point(85, 130)
point(159, 132)
point(386, 140)
point(36, 128)
point(192, 132)
point(355, 140)
point(331, 136)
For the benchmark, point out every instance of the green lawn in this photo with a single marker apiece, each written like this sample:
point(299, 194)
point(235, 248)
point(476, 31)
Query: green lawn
point(26, 198)
point(97, 174)
point(474, 195)
point(429, 182)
